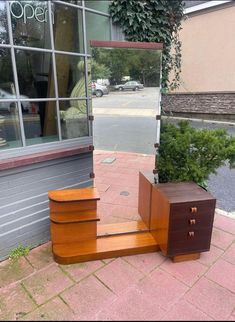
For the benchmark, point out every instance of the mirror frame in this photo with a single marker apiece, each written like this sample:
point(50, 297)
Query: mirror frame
point(136, 45)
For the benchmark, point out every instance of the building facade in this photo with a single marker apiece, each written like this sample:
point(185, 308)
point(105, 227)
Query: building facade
point(45, 109)
point(207, 86)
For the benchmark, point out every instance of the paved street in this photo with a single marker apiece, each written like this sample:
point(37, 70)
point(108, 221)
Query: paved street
point(125, 122)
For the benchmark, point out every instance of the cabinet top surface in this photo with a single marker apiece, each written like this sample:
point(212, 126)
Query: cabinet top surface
point(183, 192)
point(70, 195)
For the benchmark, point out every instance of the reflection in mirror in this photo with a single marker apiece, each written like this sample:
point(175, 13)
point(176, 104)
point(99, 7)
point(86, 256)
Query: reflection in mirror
point(125, 88)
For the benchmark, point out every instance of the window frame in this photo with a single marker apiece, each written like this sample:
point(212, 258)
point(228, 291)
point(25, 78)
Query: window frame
point(26, 149)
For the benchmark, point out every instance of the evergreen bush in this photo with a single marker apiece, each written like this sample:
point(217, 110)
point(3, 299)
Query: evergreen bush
point(189, 154)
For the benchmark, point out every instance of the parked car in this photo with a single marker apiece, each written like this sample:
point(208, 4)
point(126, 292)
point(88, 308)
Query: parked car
point(7, 106)
point(99, 90)
point(131, 85)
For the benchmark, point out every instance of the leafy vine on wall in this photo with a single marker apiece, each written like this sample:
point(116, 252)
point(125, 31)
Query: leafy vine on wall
point(154, 21)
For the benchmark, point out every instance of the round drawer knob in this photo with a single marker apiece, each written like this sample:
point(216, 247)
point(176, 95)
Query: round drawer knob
point(192, 221)
point(191, 233)
point(193, 209)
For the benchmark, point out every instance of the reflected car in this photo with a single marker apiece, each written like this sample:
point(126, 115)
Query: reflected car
point(9, 106)
point(99, 90)
point(131, 85)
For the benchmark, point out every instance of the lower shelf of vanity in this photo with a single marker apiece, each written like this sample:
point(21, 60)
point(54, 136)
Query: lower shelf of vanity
point(105, 247)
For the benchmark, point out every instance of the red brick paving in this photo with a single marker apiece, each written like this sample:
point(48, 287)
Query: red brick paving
point(141, 287)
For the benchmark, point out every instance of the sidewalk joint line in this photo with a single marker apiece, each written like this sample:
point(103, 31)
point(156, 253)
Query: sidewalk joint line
point(63, 300)
point(104, 284)
point(66, 274)
point(29, 294)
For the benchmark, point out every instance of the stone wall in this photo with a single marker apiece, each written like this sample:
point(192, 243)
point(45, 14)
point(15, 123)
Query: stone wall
point(208, 104)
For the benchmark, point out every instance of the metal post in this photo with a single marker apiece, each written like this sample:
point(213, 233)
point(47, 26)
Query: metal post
point(158, 125)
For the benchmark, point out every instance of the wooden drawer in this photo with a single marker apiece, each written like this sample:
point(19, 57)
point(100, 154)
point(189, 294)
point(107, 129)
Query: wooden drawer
point(180, 242)
point(186, 209)
point(182, 218)
point(73, 232)
point(74, 216)
point(73, 206)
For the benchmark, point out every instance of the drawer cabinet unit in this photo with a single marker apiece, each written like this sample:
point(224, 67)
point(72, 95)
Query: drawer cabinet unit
point(182, 217)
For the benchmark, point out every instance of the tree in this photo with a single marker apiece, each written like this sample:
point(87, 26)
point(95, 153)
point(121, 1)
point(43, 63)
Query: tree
point(99, 71)
point(142, 65)
point(154, 21)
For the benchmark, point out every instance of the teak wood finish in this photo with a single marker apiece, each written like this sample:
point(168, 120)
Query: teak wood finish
point(74, 235)
point(177, 219)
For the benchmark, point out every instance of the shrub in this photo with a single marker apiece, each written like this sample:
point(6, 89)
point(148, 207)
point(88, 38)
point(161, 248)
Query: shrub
point(189, 154)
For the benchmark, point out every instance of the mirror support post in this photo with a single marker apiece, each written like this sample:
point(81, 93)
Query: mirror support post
point(158, 118)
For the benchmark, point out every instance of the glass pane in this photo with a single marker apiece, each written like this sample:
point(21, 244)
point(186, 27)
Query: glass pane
point(70, 76)
point(68, 21)
point(97, 28)
point(101, 5)
point(77, 2)
point(7, 87)
point(35, 74)
point(40, 123)
point(10, 128)
point(73, 119)
point(30, 23)
point(124, 133)
point(3, 24)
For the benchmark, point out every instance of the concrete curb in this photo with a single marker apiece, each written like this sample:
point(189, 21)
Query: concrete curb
point(198, 120)
point(225, 213)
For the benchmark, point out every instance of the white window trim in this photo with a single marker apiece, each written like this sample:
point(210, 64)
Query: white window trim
point(206, 5)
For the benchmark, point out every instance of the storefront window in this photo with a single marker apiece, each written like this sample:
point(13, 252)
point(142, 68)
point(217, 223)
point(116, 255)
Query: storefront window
point(30, 23)
point(35, 74)
point(68, 21)
point(3, 24)
point(10, 127)
point(70, 76)
point(27, 72)
point(73, 119)
point(40, 122)
point(7, 87)
point(97, 28)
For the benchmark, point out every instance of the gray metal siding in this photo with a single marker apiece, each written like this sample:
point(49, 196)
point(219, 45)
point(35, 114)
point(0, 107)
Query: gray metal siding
point(24, 212)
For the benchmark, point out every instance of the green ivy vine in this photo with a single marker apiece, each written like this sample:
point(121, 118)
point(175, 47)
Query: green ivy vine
point(154, 21)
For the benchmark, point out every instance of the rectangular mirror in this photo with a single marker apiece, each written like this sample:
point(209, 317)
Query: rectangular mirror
point(125, 83)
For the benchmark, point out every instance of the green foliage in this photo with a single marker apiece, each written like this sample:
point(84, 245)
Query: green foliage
point(153, 21)
point(189, 154)
point(19, 251)
point(140, 65)
point(99, 71)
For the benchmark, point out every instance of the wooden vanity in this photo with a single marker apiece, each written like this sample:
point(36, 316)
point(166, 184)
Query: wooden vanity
point(177, 218)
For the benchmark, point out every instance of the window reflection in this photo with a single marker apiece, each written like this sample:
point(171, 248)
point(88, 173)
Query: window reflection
point(101, 5)
point(7, 87)
point(70, 76)
point(10, 128)
point(30, 23)
point(97, 28)
point(35, 74)
point(74, 123)
point(40, 124)
point(3, 24)
point(68, 21)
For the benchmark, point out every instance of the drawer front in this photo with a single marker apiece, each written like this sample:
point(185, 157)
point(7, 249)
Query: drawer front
point(188, 241)
point(193, 215)
point(73, 232)
point(69, 207)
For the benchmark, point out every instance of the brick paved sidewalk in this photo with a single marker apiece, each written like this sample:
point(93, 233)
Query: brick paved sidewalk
point(141, 287)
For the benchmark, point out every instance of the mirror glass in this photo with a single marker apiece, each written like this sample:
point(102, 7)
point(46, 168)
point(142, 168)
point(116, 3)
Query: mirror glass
point(125, 97)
